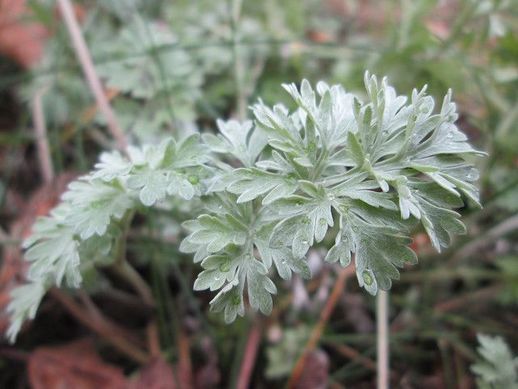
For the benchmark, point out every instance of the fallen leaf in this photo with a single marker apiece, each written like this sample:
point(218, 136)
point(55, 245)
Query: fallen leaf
point(73, 366)
point(317, 374)
point(20, 39)
point(158, 374)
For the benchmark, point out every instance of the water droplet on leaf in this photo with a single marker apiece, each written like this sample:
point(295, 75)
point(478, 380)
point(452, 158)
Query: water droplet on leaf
point(224, 267)
point(367, 278)
point(236, 299)
point(193, 179)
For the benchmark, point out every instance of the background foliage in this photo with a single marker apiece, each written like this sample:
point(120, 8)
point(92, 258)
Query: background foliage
point(177, 67)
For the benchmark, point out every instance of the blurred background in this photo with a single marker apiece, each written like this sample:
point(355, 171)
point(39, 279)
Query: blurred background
point(170, 67)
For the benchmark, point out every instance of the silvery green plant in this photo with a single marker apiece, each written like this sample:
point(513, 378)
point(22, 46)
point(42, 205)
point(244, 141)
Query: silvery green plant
point(361, 172)
point(497, 367)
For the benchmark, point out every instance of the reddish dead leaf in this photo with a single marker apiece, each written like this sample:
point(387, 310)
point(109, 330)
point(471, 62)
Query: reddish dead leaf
point(420, 242)
point(20, 39)
point(74, 366)
point(208, 375)
point(13, 268)
point(158, 374)
point(439, 28)
point(317, 374)
point(319, 36)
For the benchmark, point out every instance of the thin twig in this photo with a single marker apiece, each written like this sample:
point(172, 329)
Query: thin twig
point(316, 333)
point(133, 277)
point(96, 315)
point(507, 226)
point(92, 309)
point(382, 339)
point(94, 83)
point(111, 336)
point(463, 301)
point(355, 355)
point(42, 143)
point(250, 355)
point(184, 360)
point(153, 339)
point(238, 61)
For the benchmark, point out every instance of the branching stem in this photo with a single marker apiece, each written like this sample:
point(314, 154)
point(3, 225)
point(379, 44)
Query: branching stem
point(325, 314)
point(109, 334)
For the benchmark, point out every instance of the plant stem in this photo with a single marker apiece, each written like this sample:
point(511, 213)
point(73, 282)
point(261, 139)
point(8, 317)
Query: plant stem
point(85, 59)
point(507, 226)
point(47, 171)
point(250, 355)
point(238, 63)
point(110, 334)
point(125, 270)
point(317, 331)
point(139, 285)
point(382, 339)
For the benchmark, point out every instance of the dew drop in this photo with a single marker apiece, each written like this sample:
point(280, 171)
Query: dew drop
point(224, 267)
point(193, 179)
point(305, 242)
point(236, 300)
point(216, 278)
point(331, 197)
point(449, 135)
point(367, 278)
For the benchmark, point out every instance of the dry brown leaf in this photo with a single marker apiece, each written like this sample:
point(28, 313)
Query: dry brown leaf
point(20, 39)
point(316, 375)
point(158, 374)
point(73, 366)
point(208, 375)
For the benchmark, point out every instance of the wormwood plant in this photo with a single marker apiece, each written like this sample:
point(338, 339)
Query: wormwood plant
point(497, 367)
point(360, 171)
